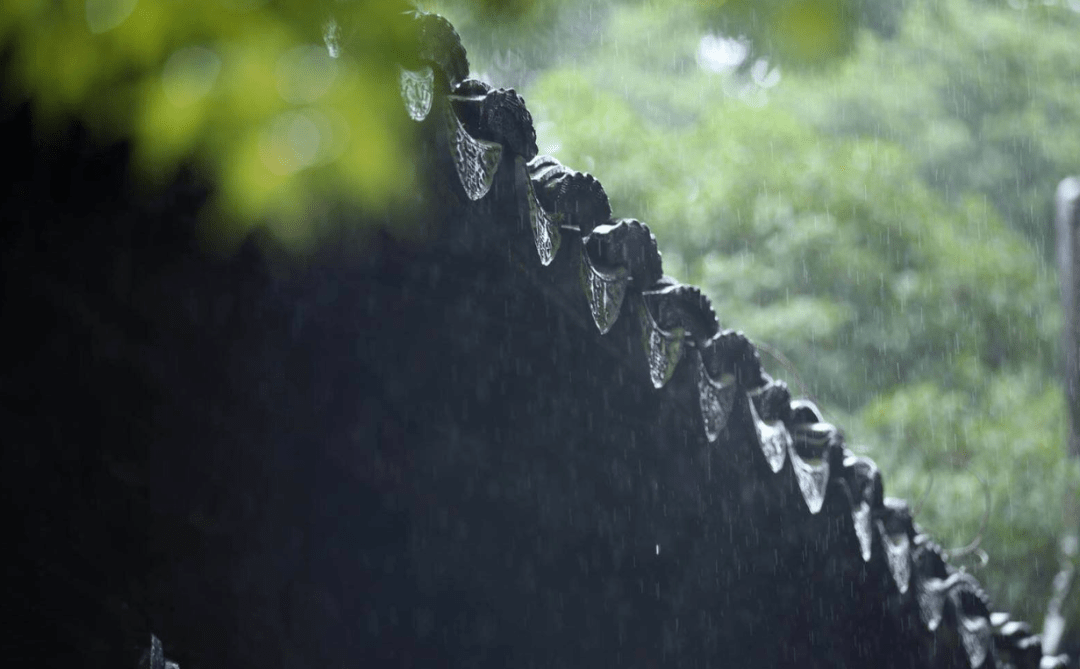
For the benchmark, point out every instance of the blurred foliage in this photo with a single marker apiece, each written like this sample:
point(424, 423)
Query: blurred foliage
point(516, 38)
point(511, 40)
point(882, 218)
point(798, 31)
point(245, 90)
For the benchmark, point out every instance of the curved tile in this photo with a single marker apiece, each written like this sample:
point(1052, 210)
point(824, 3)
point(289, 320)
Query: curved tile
point(475, 160)
point(895, 529)
point(809, 453)
point(805, 411)
point(546, 235)
point(621, 255)
point(663, 348)
point(898, 557)
point(574, 199)
point(716, 397)
point(417, 91)
point(439, 44)
point(973, 618)
point(496, 115)
point(863, 483)
point(627, 243)
point(773, 439)
point(730, 352)
point(605, 290)
point(930, 594)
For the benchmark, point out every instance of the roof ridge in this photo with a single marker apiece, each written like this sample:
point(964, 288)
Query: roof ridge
point(620, 260)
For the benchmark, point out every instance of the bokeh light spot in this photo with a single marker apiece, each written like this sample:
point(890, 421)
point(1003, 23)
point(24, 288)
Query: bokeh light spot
point(290, 143)
point(189, 74)
point(104, 15)
point(305, 74)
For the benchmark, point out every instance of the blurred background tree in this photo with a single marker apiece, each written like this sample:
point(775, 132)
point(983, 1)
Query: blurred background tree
point(863, 185)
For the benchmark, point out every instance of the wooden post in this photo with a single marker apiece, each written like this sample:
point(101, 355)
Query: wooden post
point(1068, 256)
